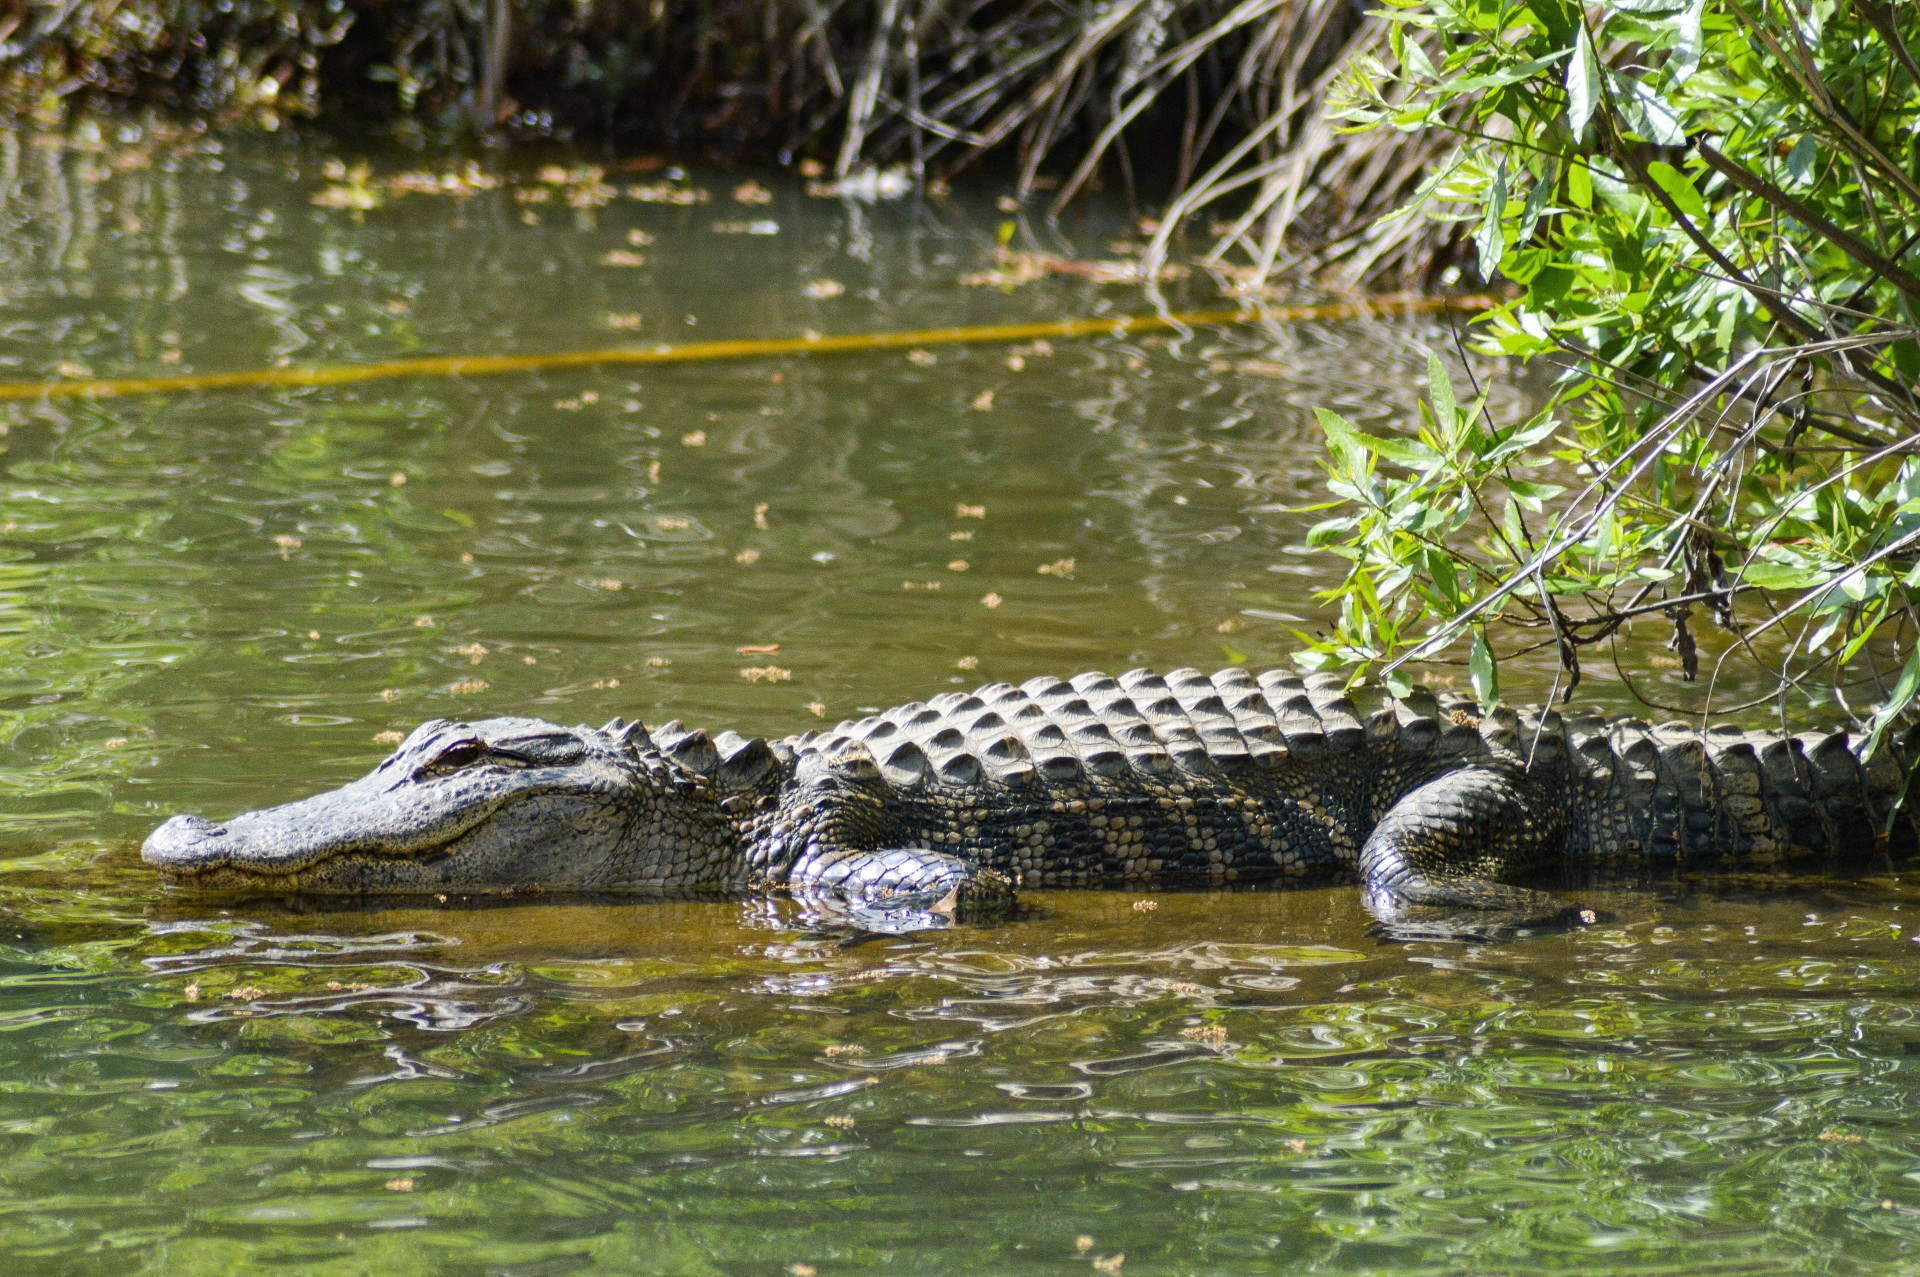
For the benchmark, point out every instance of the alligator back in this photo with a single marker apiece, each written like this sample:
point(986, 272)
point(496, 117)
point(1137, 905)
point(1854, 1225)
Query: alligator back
point(1286, 775)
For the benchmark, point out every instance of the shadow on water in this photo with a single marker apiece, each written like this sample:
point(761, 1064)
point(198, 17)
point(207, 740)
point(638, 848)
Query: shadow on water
point(223, 601)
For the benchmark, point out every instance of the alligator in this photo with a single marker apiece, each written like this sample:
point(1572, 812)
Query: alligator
point(941, 810)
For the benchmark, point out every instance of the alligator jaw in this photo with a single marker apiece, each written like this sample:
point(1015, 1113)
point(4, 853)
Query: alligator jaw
point(299, 845)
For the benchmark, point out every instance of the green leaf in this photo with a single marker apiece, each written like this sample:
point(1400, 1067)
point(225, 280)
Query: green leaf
point(1484, 671)
point(1536, 205)
point(1406, 452)
point(1446, 412)
point(1342, 439)
point(1800, 159)
point(1685, 59)
point(1490, 241)
point(1646, 112)
point(1782, 576)
point(1903, 692)
point(1531, 495)
point(1583, 83)
point(1678, 189)
point(1579, 186)
point(1327, 530)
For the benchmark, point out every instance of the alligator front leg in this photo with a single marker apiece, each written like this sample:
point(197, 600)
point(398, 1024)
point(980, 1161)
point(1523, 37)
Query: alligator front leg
point(1445, 847)
point(899, 889)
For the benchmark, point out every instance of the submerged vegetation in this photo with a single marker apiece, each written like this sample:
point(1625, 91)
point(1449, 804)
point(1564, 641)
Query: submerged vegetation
point(1212, 112)
point(1709, 208)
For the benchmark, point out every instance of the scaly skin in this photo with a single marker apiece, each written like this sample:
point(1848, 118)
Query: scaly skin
point(943, 808)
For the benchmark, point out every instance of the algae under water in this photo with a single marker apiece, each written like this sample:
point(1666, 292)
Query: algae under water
point(221, 601)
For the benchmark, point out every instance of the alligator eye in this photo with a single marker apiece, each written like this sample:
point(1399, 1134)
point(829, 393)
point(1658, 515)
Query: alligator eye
point(455, 757)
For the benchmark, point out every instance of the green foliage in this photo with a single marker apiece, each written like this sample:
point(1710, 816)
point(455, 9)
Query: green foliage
point(1704, 210)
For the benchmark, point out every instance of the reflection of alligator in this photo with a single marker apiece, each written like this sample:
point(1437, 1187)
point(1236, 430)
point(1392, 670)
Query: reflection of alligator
point(942, 807)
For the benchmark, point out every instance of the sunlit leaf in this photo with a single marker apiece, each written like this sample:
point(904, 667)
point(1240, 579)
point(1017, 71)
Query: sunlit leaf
point(1484, 671)
point(1583, 83)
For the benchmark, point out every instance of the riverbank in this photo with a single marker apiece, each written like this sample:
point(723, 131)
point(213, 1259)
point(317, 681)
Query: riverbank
point(1204, 114)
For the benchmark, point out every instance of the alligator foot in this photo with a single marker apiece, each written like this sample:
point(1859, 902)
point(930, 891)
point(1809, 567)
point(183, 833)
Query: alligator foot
point(898, 890)
point(1520, 912)
point(1428, 866)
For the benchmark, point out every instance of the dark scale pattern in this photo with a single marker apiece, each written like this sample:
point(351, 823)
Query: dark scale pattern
point(1097, 780)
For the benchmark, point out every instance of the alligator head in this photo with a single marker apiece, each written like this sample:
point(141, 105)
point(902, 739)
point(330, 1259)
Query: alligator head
point(500, 805)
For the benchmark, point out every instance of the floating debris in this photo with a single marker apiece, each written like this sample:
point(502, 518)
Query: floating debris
point(760, 509)
point(759, 227)
point(694, 439)
point(964, 511)
point(964, 535)
point(1062, 568)
point(867, 185)
point(758, 649)
point(846, 1048)
point(350, 190)
point(621, 257)
point(639, 238)
point(396, 479)
point(388, 738)
point(1012, 270)
point(919, 585)
point(605, 684)
point(1110, 1264)
point(624, 323)
point(287, 544)
point(817, 709)
point(751, 192)
point(967, 663)
point(472, 651)
point(658, 662)
point(958, 565)
point(668, 193)
point(747, 557)
point(983, 402)
point(766, 674)
point(839, 1121)
point(821, 289)
point(246, 993)
point(605, 583)
point(400, 1185)
point(1211, 1034)
point(1145, 906)
point(470, 687)
point(922, 358)
point(991, 600)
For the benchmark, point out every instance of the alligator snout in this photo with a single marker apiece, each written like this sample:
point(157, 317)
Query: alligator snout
point(184, 842)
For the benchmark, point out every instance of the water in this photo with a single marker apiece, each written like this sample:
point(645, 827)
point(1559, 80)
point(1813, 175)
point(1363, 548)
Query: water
point(218, 601)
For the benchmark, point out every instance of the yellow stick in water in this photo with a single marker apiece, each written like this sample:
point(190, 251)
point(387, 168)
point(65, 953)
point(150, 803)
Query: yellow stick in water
point(703, 351)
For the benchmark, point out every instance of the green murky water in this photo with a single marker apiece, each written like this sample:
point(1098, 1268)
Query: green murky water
point(217, 601)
